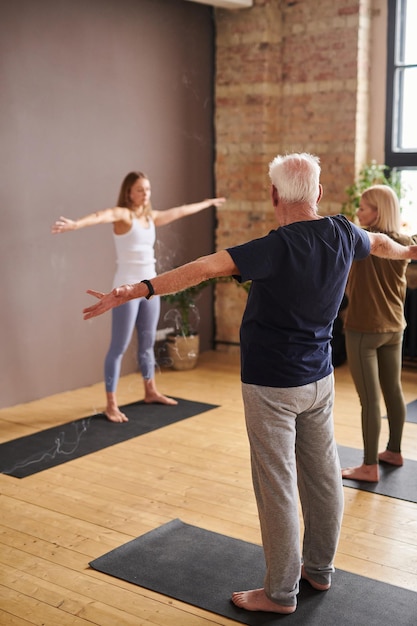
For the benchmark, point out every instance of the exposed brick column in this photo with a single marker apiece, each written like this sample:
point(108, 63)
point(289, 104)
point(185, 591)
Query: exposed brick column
point(291, 76)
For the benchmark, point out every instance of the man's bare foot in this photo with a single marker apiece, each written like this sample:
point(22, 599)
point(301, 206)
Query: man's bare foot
point(114, 414)
point(313, 583)
point(393, 458)
point(159, 398)
point(367, 473)
point(257, 600)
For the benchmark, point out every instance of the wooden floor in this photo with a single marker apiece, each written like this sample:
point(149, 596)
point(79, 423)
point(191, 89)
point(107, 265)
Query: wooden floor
point(54, 522)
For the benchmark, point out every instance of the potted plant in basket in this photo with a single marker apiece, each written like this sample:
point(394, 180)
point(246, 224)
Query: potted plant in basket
point(183, 344)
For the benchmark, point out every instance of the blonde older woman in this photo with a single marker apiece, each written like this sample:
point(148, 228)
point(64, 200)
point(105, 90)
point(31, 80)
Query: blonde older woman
point(374, 327)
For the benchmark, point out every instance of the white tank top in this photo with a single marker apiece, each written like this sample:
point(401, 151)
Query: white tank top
point(135, 256)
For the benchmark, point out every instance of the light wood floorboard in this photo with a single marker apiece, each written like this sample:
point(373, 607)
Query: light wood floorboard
point(54, 522)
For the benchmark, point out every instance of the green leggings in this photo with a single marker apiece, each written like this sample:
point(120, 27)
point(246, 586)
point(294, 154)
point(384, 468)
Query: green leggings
point(375, 363)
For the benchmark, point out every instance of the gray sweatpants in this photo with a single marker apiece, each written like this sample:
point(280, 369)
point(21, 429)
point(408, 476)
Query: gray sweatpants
point(292, 445)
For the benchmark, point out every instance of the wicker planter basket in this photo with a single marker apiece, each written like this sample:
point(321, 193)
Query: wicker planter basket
point(183, 351)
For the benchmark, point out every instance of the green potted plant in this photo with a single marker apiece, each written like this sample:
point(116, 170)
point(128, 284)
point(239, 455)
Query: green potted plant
point(371, 174)
point(183, 344)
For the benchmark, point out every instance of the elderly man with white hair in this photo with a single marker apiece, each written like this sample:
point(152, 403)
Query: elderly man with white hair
point(299, 273)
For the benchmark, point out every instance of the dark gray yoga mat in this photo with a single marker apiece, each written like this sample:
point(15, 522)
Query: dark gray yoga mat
point(411, 415)
point(412, 412)
point(34, 453)
point(394, 482)
point(203, 568)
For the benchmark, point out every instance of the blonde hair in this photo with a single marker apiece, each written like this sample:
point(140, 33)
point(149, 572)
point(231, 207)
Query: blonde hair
point(385, 201)
point(296, 177)
point(124, 193)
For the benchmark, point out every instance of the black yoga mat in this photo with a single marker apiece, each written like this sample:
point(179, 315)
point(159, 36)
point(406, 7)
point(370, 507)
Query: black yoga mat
point(203, 568)
point(394, 482)
point(48, 448)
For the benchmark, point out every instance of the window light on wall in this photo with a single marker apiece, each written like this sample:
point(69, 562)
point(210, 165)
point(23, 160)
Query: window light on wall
point(401, 122)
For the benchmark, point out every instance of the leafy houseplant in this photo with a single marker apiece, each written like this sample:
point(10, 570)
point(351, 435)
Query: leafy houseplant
point(371, 174)
point(185, 314)
point(183, 343)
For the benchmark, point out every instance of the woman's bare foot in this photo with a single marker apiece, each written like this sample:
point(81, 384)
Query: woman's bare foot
point(159, 398)
point(114, 414)
point(368, 473)
point(257, 600)
point(313, 583)
point(152, 395)
point(393, 458)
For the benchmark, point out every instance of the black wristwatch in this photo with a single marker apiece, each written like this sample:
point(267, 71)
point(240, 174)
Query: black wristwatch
point(151, 290)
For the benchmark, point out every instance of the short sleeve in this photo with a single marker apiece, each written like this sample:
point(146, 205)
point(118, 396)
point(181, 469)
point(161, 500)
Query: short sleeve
point(362, 243)
point(253, 258)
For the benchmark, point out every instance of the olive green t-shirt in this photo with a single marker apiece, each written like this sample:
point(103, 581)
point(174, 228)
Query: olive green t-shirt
point(376, 292)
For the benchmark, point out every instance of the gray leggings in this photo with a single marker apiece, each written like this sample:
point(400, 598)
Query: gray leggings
point(143, 315)
point(292, 443)
point(375, 363)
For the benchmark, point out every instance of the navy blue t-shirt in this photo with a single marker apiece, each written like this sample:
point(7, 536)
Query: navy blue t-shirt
point(299, 274)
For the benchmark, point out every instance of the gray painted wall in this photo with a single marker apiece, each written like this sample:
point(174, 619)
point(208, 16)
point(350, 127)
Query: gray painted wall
point(91, 89)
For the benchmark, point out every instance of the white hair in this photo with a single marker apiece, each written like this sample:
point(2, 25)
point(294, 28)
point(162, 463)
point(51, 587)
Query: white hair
point(296, 177)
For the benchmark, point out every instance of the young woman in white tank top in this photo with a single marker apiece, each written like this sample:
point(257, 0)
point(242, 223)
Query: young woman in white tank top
point(134, 221)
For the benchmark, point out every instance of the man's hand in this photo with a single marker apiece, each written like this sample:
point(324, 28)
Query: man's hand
point(386, 248)
point(107, 301)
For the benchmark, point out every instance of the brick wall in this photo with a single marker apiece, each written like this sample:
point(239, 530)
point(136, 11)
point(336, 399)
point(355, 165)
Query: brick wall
point(291, 76)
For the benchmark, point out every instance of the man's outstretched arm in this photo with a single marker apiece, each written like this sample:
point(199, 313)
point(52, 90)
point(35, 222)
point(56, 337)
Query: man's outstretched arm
point(188, 275)
point(383, 246)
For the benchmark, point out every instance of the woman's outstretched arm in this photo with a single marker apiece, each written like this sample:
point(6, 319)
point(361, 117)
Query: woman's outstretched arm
point(106, 216)
point(161, 218)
